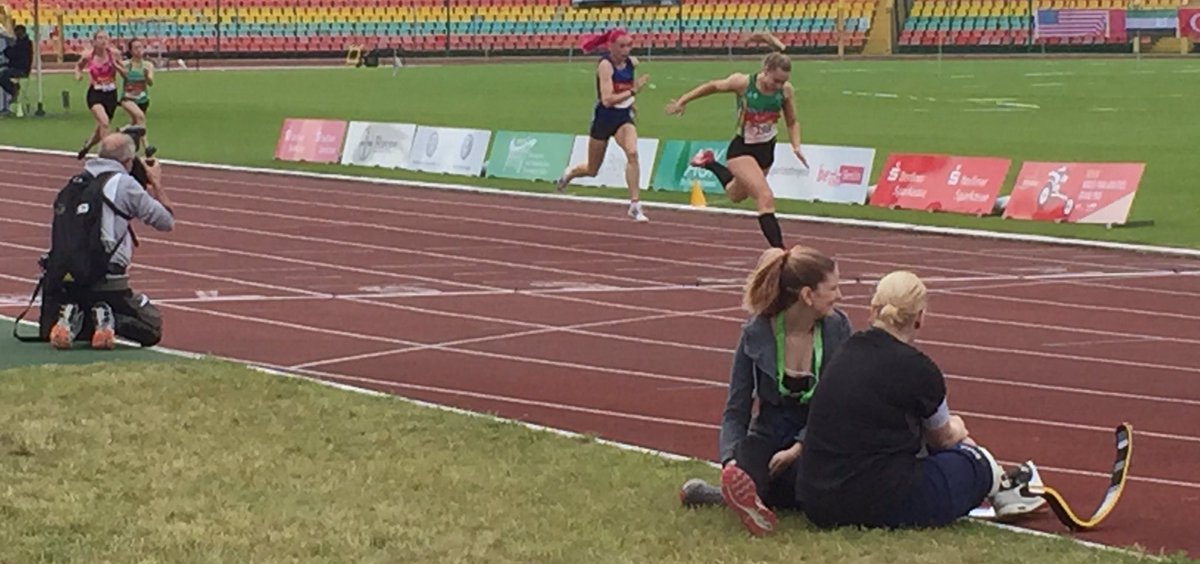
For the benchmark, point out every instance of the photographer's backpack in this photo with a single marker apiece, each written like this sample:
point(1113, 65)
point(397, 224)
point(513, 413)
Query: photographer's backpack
point(78, 259)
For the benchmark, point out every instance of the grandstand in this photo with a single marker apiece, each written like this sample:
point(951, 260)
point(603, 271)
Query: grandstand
point(326, 27)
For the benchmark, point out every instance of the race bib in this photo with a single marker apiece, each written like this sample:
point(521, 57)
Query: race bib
point(759, 127)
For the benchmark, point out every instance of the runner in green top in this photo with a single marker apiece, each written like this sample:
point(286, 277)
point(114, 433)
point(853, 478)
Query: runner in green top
point(138, 80)
point(761, 98)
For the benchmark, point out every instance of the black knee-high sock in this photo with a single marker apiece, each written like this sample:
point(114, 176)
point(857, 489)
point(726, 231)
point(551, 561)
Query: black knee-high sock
point(722, 173)
point(770, 228)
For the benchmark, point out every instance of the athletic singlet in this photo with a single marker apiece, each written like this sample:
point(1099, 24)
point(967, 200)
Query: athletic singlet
point(622, 80)
point(135, 84)
point(758, 113)
point(104, 74)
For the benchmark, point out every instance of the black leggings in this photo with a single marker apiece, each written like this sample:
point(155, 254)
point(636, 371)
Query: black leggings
point(753, 455)
point(136, 318)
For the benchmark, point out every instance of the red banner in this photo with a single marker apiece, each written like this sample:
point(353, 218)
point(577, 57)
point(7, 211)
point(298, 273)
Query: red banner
point(941, 183)
point(1189, 23)
point(311, 140)
point(1075, 192)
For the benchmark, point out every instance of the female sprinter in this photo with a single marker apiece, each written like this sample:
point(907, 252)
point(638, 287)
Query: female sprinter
point(761, 98)
point(613, 116)
point(139, 77)
point(793, 333)
point(881, 448)
point(103, 63)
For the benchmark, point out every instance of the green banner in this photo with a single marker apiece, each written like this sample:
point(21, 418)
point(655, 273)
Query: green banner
point(676, 175)
point(529, 156)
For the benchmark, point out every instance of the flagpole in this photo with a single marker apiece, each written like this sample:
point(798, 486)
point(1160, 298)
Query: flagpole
point(37, 57)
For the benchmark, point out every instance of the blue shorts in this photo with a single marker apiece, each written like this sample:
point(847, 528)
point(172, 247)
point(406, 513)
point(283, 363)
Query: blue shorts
point(607, 121)
point(953, 482)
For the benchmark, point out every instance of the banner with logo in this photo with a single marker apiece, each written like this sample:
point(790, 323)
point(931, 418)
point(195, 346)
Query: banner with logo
point(529, 155)
point(674, 174)
point(1144, 19)
point(945, 183)
point(1075, 192)
point(612, 170)
point(310, 140)
point(1189, 23)
point(834, 174)
point(384, 145)
point(449, 150)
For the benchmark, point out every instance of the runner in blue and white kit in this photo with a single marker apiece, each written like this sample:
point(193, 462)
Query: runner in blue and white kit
point(616, 89)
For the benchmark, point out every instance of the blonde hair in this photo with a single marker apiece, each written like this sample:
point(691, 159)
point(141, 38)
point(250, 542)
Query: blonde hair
point(899, 298)
point(777, 60)
point(776, 282)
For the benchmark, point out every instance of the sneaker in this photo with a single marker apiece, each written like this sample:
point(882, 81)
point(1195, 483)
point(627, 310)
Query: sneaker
point(635, 212)
point(697, 492)
point(70, 321)
point(740, 495)
point(561, 183)
point(1014, 497)
point(703, 158)
point(105, 335)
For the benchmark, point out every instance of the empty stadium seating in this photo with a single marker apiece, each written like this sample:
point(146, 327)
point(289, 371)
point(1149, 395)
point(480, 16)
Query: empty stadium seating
point(962, 23)
point(310, 26)
point(437, 25)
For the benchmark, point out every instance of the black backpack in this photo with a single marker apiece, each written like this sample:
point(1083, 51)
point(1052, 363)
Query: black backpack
point(78, 260)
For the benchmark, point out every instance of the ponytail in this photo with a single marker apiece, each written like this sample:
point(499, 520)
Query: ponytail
point(591, 43)
point(776, 283)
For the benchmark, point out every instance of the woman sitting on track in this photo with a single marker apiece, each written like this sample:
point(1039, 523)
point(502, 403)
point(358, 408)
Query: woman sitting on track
point(761, 98)
point(138, 79)
point(794, 332)
point(103, 63)
point(613, 117)
point(881, 404)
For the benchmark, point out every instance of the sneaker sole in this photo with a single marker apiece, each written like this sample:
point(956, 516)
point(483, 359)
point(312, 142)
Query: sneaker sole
point(105, 340)
point(742, 497)
point(60, 337)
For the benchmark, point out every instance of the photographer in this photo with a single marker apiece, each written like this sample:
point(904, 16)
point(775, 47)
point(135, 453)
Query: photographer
point(87, 292)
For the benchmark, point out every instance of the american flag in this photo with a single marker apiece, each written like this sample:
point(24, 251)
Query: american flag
point(1072, 23)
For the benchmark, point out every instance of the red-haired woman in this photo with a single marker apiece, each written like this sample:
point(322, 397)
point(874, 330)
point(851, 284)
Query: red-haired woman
point(613, 118)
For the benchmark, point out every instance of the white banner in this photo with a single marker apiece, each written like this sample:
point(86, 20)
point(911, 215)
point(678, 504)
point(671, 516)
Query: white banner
point(450, 150)
point(378, 144)
point(834, 174)
point(612, 171)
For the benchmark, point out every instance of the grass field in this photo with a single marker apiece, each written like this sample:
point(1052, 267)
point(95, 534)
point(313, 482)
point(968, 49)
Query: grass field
point(1087, 110)
point(203, 461)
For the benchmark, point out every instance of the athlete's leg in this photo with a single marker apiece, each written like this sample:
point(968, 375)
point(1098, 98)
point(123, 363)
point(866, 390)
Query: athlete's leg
point(596, 150)
point(102, 124)
point(626, 138)
point(753, 180)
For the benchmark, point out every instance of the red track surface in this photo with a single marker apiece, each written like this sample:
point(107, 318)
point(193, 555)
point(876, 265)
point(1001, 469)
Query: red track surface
point(569, 315)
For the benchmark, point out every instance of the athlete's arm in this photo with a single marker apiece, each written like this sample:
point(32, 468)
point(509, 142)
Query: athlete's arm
point(118, 63)
point(149, 69)
point(789, 118)
point(607, 96)
point(736, 82)
point(82, 63)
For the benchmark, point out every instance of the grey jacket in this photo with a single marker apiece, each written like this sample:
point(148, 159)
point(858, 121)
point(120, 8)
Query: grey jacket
point(780, 419)
point(132, 199)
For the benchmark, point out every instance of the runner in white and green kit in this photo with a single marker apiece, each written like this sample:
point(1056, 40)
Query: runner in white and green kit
point(761, 97)
point(139, 78)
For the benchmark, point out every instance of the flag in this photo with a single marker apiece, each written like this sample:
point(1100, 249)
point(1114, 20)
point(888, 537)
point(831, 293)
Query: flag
point(1072, 23)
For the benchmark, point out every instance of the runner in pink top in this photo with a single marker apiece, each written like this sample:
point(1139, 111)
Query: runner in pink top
point(102, 63)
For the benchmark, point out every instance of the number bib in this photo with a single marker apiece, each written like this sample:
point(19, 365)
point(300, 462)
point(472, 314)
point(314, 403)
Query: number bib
point(760, 127)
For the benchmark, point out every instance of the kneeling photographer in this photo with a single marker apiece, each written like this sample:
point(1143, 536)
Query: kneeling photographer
point(85, 283)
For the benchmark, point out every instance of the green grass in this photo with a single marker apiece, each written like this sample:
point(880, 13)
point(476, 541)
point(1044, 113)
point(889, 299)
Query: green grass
point(203, 461)
point(14, 353)
point(1090, 110)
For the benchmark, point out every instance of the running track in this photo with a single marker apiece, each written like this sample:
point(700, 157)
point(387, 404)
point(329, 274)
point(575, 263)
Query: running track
point(566, 314)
